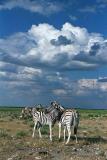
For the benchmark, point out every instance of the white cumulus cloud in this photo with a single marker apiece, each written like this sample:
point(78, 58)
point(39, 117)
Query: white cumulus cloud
point(70, 47)
point(38, 61)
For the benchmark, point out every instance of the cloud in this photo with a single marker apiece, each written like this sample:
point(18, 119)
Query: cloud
point(102, 3)
point(31, 65)
point(90, 9)
point(82, 92)
point(102, 79)
point(94, 49)
point(92, 85)
point(96, 6)
point(44, 46)
point(63, 45)
point(8, 67)
point(49, 7)
point(59, 92)
point(62, 40)
point(73, 18)
point(85, 87)
point(41, 6)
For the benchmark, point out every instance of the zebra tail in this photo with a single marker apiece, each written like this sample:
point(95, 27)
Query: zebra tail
point(75, 130)
point(76, 122)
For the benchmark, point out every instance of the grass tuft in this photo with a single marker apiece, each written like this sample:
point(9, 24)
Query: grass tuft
point(3, 133)
point(20, 134)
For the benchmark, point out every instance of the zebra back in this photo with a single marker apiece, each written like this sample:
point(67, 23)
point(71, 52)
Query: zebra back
point(70, 117)
point(49, 115)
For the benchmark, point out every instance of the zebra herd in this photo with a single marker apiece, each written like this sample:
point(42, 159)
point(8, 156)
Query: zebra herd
point(66, 118)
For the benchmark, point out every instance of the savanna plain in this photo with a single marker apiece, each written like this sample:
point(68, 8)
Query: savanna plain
point(16, 142)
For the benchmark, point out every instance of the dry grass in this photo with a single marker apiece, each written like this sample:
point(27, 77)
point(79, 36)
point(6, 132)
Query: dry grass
point(17, 143)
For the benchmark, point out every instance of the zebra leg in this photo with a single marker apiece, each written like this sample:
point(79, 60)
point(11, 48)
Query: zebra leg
point(69, 134)
point(59, 130)
point(40, 135)
point(75, 133)
point(76, 138)
point(34, 130)
point(64, 132)
point(50, 128)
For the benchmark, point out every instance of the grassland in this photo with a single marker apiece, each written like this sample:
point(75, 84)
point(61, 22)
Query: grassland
point(16, 142)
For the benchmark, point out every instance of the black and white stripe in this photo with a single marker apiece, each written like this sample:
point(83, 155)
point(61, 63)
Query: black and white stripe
point(48, 117)
point(26, 112)
point(69, 119)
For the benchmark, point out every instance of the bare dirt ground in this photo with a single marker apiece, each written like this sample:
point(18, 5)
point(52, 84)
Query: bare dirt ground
point(16, 142)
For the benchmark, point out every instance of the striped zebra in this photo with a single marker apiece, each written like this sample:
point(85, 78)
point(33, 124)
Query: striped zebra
point(70, 118)
point(26, 112)
point(48, 117)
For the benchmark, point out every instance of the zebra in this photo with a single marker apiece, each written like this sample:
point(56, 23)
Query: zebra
point(70, 118)
point(26, 112)
point(67, 119)
point(47, 117)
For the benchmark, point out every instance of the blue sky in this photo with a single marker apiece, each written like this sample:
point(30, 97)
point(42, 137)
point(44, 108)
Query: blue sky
point(53, 50)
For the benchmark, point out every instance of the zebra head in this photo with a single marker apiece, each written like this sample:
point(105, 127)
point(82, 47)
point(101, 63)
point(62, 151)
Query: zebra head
point(57, 109)
point(26, 112)
point(57, 106)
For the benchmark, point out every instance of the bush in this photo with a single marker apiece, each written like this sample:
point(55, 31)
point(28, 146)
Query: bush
point(90, 115)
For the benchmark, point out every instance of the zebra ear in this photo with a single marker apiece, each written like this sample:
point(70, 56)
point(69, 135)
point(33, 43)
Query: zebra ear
point(51, 103)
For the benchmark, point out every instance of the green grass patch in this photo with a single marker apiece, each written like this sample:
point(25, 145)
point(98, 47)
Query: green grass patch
point(45, 129)
point(15, 112)
point(20, 134)
point(3, 133)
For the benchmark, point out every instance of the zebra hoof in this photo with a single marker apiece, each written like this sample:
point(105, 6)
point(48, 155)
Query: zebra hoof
point(67, 142)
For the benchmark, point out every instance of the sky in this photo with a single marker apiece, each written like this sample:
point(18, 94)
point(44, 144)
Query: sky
point(53, 50)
